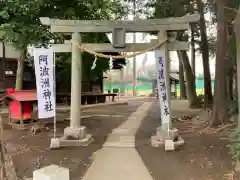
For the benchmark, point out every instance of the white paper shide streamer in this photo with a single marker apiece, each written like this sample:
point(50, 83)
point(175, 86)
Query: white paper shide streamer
point(44, 71)
point(94, 62)
point(110, 63)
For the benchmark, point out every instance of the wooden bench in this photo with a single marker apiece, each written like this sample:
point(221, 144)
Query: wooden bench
point(87, 98)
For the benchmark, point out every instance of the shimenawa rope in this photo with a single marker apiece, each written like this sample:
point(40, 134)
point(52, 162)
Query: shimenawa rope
point(82, 48)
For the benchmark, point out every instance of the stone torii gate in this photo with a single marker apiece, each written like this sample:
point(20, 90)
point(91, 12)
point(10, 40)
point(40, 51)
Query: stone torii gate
point(118, 28)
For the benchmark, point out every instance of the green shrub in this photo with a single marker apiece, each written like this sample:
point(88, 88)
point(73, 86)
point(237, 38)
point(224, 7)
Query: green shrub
point(200, 98)
point(235, 145)
point(233, 107)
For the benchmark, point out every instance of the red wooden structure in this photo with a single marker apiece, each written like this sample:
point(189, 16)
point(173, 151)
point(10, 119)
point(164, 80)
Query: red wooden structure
point(20, 104)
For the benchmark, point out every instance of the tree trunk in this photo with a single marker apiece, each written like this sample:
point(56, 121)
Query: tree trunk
point(232, 58)
point(237, 34)
point(193, 55)
point(191, 90)
point(20, 71)
point(2, 167)
point(183, 94)
point(2, 150)
point(220, 96)
point(230, 87)
point(3, 50)
point(2, 68)
point(122, 89)
point(205, 56)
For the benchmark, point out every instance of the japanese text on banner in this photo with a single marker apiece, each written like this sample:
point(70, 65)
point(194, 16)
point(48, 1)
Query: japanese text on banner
point(162, 87)
point(43, 61)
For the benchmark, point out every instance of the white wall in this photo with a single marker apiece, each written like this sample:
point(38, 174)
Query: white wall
point(10, 51)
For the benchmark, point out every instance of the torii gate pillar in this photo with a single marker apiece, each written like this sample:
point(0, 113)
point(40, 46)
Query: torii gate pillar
point(75, 130)
point(165, 131)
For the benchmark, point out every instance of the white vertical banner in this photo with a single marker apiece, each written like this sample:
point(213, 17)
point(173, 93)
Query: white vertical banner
point(162, 86)
point(43, 61)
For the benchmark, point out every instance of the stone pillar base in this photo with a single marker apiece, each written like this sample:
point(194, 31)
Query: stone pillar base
point(162, 135)
point(75, 133)
point(75, 137)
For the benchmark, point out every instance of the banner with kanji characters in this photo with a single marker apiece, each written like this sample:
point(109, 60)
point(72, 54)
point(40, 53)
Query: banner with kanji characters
point(162, 86)
point(43, 62)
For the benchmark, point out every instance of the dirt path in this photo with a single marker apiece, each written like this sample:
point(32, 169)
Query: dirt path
point(204, 157)
point(32, 152)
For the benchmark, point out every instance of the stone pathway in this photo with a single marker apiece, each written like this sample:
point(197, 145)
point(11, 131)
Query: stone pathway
point(118, 159)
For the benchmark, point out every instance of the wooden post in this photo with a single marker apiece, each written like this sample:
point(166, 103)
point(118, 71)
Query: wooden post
point(21, 113)
point(75, 116)
point(122, 89)
point(110, 84)
point(134, 58)
point(2, 149)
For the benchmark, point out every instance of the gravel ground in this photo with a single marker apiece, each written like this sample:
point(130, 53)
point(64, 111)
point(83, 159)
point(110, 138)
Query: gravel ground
point(31, 152)
point(203, 157)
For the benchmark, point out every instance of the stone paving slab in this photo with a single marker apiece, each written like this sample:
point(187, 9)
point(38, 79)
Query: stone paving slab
point(124, 135)
point(122, 131)
point(120, 141)
point(118, 164)
point(118, 159)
